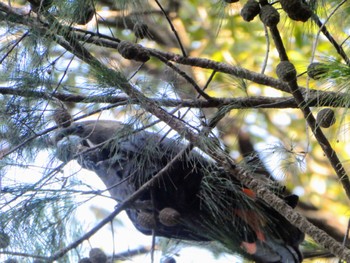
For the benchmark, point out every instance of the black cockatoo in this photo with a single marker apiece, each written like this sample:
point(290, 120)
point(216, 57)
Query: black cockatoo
point(195, 200)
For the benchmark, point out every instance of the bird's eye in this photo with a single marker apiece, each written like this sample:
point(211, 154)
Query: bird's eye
point(79, 128)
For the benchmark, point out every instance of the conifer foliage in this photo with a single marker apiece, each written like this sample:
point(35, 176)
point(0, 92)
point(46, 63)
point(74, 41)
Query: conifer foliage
point(219, 124)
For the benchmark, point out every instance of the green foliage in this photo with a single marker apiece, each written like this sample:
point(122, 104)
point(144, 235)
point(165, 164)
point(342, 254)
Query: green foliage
point(38, 224)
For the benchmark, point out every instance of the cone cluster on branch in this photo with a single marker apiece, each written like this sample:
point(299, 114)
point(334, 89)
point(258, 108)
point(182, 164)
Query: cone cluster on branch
point(325, 118)
point(133, 51)
point(295, 9)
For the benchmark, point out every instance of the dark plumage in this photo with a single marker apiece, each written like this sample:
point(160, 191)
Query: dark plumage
point(196, 200)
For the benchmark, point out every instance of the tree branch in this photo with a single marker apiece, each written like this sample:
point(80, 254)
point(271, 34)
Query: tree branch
point(316, 99)
point(106, 41)
point(316, 129)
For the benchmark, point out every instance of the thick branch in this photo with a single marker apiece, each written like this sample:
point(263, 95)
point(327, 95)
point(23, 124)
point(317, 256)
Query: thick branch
point(316, 129)
point(331, 39)
point(319, 99)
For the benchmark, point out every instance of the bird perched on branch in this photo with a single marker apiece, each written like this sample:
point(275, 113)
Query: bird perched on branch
point(194, 200)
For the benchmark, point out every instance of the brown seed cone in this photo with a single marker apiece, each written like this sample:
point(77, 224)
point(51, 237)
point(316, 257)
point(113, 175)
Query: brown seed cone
point(85, 16)
point(290, 5)
point(169, 216)
point(302, 14)
point(325, 118)
point(250, 10)
point(316, 70)
point(286, 71)
point(296, 10)
point(62, 117)
point(133, 51)
point(97, 256)
point(146, 220)
point(269, 15)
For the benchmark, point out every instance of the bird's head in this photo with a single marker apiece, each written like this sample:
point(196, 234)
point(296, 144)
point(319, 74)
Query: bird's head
point(96, 131)
point(81, 135)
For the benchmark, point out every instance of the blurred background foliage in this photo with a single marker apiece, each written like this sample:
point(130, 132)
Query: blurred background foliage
point(33, 68)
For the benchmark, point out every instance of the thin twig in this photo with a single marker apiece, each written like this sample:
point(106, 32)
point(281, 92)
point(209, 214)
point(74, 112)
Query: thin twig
point(172, 28)
point(316, 129)
point(324, 30)
point(264, 65)
point(13, 46)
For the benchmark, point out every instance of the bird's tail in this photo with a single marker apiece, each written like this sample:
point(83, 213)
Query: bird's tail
point(248, 225)
point(276, 240)
point(272, 251)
